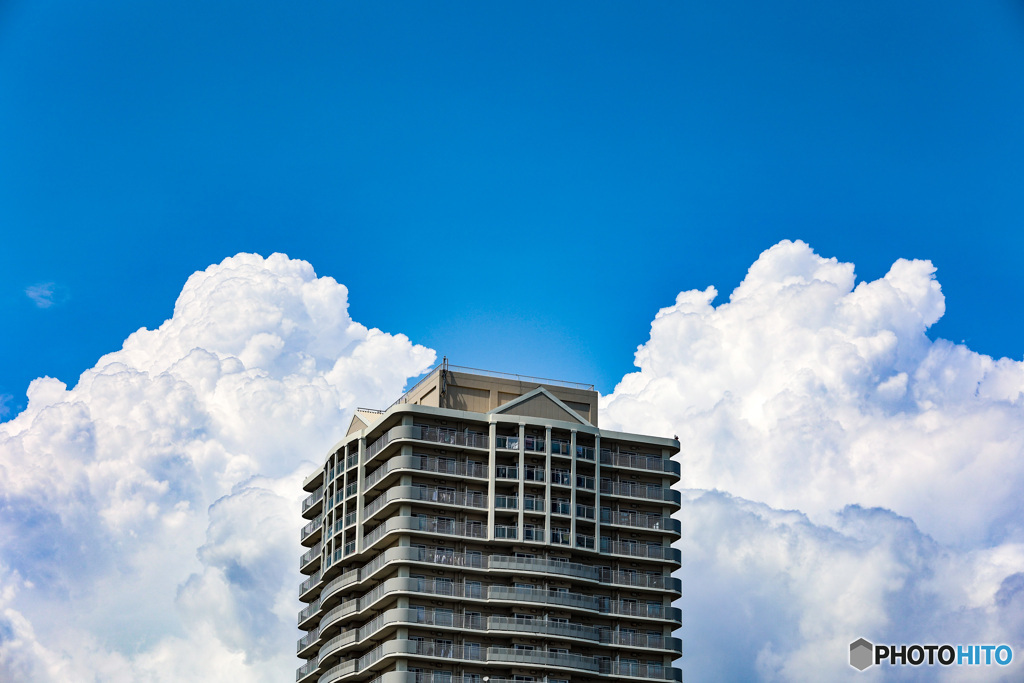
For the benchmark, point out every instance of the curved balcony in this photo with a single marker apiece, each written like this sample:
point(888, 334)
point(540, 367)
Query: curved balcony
point(495, 625)
point(544, 627)
point(426, 463)
point(565, 660)
point(581, 571)
point(430, 494)
point(543, 596)
point(351, 579)
point(439, 435)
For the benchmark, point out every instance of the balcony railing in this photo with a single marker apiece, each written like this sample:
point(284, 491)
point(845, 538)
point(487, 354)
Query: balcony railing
point(312, 499)
point(424, 463)
point(307, 639)
point(656, 552)
point(433, 494)
point(639, 520)
point(633, 490)
point(310, 554)
point(651, 463)
point(534, 444)
point(451, 437)
point(510, 443)
point(308, 530)
point(309, 583)
point(306, 669)
point(585, 511)
point(572, 660)
point(506, 502)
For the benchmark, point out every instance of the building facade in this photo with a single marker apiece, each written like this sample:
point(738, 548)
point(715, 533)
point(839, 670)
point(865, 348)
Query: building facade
point(484, 529)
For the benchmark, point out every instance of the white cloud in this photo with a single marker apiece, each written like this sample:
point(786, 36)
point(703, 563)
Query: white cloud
point(45, 294)
point(150, 513)
point(807, 392)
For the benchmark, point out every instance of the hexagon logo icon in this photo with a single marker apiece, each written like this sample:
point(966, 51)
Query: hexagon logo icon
point(861, 654)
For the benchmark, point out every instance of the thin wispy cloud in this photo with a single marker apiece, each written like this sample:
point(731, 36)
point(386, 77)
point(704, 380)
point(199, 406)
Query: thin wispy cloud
point(45, 294)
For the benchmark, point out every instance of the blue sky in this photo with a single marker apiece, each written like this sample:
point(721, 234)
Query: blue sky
point(581, 162)
point(520, 187)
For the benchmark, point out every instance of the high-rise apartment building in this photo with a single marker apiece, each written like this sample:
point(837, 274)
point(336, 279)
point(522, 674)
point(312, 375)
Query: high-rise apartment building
point(484, 528)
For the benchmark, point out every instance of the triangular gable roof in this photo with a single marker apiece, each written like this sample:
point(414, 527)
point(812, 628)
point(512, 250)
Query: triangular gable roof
point(540, 403)
point(356, 425)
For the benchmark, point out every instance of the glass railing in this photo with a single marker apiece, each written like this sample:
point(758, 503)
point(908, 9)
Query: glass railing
point(313, 498)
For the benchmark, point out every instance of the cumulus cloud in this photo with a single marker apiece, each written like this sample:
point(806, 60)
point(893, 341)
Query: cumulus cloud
point(150, 513)
point(844, 476)
point(901, 457)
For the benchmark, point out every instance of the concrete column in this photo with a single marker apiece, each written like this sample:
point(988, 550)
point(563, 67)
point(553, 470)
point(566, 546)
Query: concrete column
point(492, 462)
point(597, 492)
point(547, 484)
point(572, 499)
point(360, 492)
point(522, 471)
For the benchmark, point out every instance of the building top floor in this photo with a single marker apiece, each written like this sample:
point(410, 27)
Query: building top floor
point(481, 391)
point(449, 397)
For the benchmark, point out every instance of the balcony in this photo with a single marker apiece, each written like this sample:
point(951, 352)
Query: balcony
point(308, 558)
point(432, 494)
point(310, 529)
point(506, 502)
point(523, 657)
point(649, 551)
point(560, 447)
point(636, 670)
point(308, 584)
point(533, 444)
point(649, 463)
point(312, 500)
point(510, 443)
point(307, 641)
point(306, 669)
point(308, 611)
point(637, 520)
point(542, 596)
point(451, 437)
point(645, 491)
point(544, 626)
